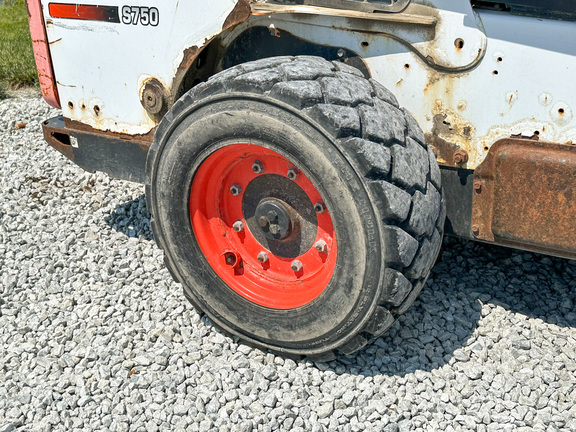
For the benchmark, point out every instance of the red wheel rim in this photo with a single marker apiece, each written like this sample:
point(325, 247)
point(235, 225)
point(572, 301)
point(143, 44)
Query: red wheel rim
point(216, 204)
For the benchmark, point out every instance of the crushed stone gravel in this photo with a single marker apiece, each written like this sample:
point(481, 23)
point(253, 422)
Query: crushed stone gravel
point(95, 335)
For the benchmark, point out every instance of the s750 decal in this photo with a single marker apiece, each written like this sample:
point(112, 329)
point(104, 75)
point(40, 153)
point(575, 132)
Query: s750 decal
point(142, 15)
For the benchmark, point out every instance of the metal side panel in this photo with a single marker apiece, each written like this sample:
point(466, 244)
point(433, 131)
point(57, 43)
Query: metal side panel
point(520, 84)
point(104, 53)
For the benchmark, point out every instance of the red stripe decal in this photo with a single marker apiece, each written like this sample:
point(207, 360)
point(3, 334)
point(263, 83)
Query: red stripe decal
point(84, 12)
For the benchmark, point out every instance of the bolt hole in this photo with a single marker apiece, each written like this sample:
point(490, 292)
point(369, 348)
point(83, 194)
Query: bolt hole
point(96, 109)
point(230, 259)
point(499, 59)
point(561, 111)
point(459, 43)
point(486, 148)
point(407, 66)
point(495, 72)
point(536, 132)
point(83, 106)
point(365, 44)
point(70, 105)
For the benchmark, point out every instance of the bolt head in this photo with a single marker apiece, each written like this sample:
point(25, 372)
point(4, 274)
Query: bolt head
point(478, 186)
point(475, 230)
point(235, 189)
point(258, 167)
point(321, 246)
point(274, 229)
point(319, 207)
point(296, 266)
point(238, 226)
point(263, 257)
point(460, 157)
point(263, 221)
point(154, 97)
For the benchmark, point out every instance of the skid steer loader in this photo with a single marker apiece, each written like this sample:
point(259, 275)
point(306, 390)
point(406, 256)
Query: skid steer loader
point(302, 159)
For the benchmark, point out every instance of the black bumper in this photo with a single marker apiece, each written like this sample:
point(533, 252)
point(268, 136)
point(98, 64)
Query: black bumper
point(119, 156)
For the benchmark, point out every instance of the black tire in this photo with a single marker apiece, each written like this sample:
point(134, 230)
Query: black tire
point(366, 156)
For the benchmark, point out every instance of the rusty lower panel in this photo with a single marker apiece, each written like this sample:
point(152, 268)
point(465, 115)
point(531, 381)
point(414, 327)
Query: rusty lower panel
point(118, 156)
point(525, 196)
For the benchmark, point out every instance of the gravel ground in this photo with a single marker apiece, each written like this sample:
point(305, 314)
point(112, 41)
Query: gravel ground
point(95, 335)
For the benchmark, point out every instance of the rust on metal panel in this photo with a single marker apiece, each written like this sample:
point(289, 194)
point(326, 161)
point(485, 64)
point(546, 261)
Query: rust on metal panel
point(451, 135)
point(59, 139)
point(240, 13)
point(190, 56)
point(144, 140)
point(154, 99)
point(525, 196)
point(423, 19)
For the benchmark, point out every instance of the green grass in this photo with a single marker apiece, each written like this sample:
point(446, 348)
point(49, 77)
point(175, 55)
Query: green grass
point(17, 67)
point(3, 89)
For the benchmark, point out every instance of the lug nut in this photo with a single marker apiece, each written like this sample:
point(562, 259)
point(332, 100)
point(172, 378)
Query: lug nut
point(263, 257)
point(263, 221)
point(321, 246)
point(238, 226)
point(292, 174)
point(235, 189)
point(258, 167)
point(319, 207)
point(296, 266)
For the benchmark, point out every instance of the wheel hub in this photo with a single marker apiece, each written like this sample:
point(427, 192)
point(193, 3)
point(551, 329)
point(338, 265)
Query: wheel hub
point(253, 214)
point(276, 219)
point(280, 215)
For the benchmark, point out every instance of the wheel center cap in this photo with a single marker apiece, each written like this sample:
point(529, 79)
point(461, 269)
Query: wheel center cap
point(275, 218)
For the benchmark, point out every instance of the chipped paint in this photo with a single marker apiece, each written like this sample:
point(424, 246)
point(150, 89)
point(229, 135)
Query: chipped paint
point(95, 114)
point(545, 99)
point(511, 98)
point(451, 136)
